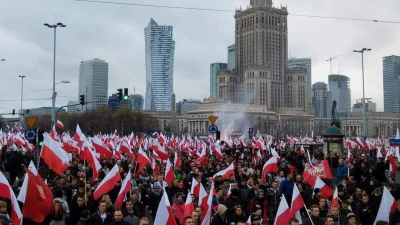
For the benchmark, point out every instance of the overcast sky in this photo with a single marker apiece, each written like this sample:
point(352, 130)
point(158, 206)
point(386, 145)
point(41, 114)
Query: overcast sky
point(115, 33)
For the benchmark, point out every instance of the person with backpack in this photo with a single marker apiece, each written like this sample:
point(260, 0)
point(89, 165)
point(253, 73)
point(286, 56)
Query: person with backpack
point(60, 210)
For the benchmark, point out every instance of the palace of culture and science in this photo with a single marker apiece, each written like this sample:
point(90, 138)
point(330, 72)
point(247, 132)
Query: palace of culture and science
point(263, 92)
point(262, 76)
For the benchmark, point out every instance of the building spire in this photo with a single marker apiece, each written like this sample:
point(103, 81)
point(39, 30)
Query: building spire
point(258, 3)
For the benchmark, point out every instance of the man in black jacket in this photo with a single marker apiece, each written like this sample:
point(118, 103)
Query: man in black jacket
point(101, 217)
point(274, 198)
point(316, 220)
point(76, 210)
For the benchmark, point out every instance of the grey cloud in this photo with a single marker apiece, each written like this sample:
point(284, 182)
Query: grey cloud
point(115, 33)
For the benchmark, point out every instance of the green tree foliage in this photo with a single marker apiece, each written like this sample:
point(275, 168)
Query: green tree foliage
point(103, 120)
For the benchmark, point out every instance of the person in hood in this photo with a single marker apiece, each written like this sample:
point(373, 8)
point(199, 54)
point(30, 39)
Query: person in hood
point(179, 206)
point(219, 217)
point(84, 220)
point(155, 198)
point(233, 201)
point(261, 202)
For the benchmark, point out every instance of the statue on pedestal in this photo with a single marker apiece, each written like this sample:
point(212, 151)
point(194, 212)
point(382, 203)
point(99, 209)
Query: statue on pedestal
point(335, 116)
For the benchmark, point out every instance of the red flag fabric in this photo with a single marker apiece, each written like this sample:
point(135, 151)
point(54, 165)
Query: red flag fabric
point(169, 173)
point(53, 155)
point(108, 183)
point(7, 192)
point(321, 170)
point(283, 214)
point(271, 166)
point(125, 188)
point(38, 200)
point(335, 200)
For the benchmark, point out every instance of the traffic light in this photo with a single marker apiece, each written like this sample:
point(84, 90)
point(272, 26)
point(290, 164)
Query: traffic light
point(218, 135)
point(40, 137)
point(27, 112)
point(13, 112)
point(82, 99)
point(125, 93)
point(119, 93)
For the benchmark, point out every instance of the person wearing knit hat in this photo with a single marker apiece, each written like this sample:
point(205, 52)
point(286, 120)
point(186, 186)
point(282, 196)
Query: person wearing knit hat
point(260, 203)
point(255, 219)
point(351, 219)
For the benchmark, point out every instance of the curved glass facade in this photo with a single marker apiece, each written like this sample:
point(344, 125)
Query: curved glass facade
point(339, 86)
point(160, 49)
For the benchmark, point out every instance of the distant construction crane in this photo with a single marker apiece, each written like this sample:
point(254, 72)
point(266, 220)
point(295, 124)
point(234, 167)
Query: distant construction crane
point(330, 60)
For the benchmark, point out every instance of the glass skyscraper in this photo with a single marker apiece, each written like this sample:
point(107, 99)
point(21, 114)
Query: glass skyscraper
point(303, 63)
point(391, 83)
point(321, 100)
point(93, 82)
point(339, 86)
point(160, 50)
point(231, 57)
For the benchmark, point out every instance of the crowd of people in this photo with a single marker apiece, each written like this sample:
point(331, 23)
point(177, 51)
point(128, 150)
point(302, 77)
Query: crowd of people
point(244, 198)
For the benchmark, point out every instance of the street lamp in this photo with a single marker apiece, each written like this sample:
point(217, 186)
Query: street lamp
point(363, 84)
point(22, 92)
point(53, 98)
point(63, 82)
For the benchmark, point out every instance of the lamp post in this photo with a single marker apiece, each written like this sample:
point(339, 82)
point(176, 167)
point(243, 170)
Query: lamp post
point(363, 88)
point(53, 98)
point(22, 94)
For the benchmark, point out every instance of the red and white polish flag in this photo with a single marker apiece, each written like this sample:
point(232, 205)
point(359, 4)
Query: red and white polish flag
point(164, 212)
point(125, 188)
point(283, 214)
point(108, 183)
point(7, 193)
point(297, 204)
point(53, 155)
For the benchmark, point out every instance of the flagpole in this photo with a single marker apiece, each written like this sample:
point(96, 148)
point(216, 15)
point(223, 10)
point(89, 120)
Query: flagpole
point(84, 166)
point(38, 148)
point(309, 216)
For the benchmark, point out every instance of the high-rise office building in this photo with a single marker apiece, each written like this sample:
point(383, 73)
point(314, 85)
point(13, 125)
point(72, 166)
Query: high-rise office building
point(93, 82)
point(339, 86)
point(137, 102)
point(261, 55)
point(261, 36)
point(214, 69)
point(321, 100)
point(160, 50)
point(391, 83)
point(187, 105)
point(115, 103)
point(369, 106)
point(72, 107)
point(231, 57)
point(303, 63)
